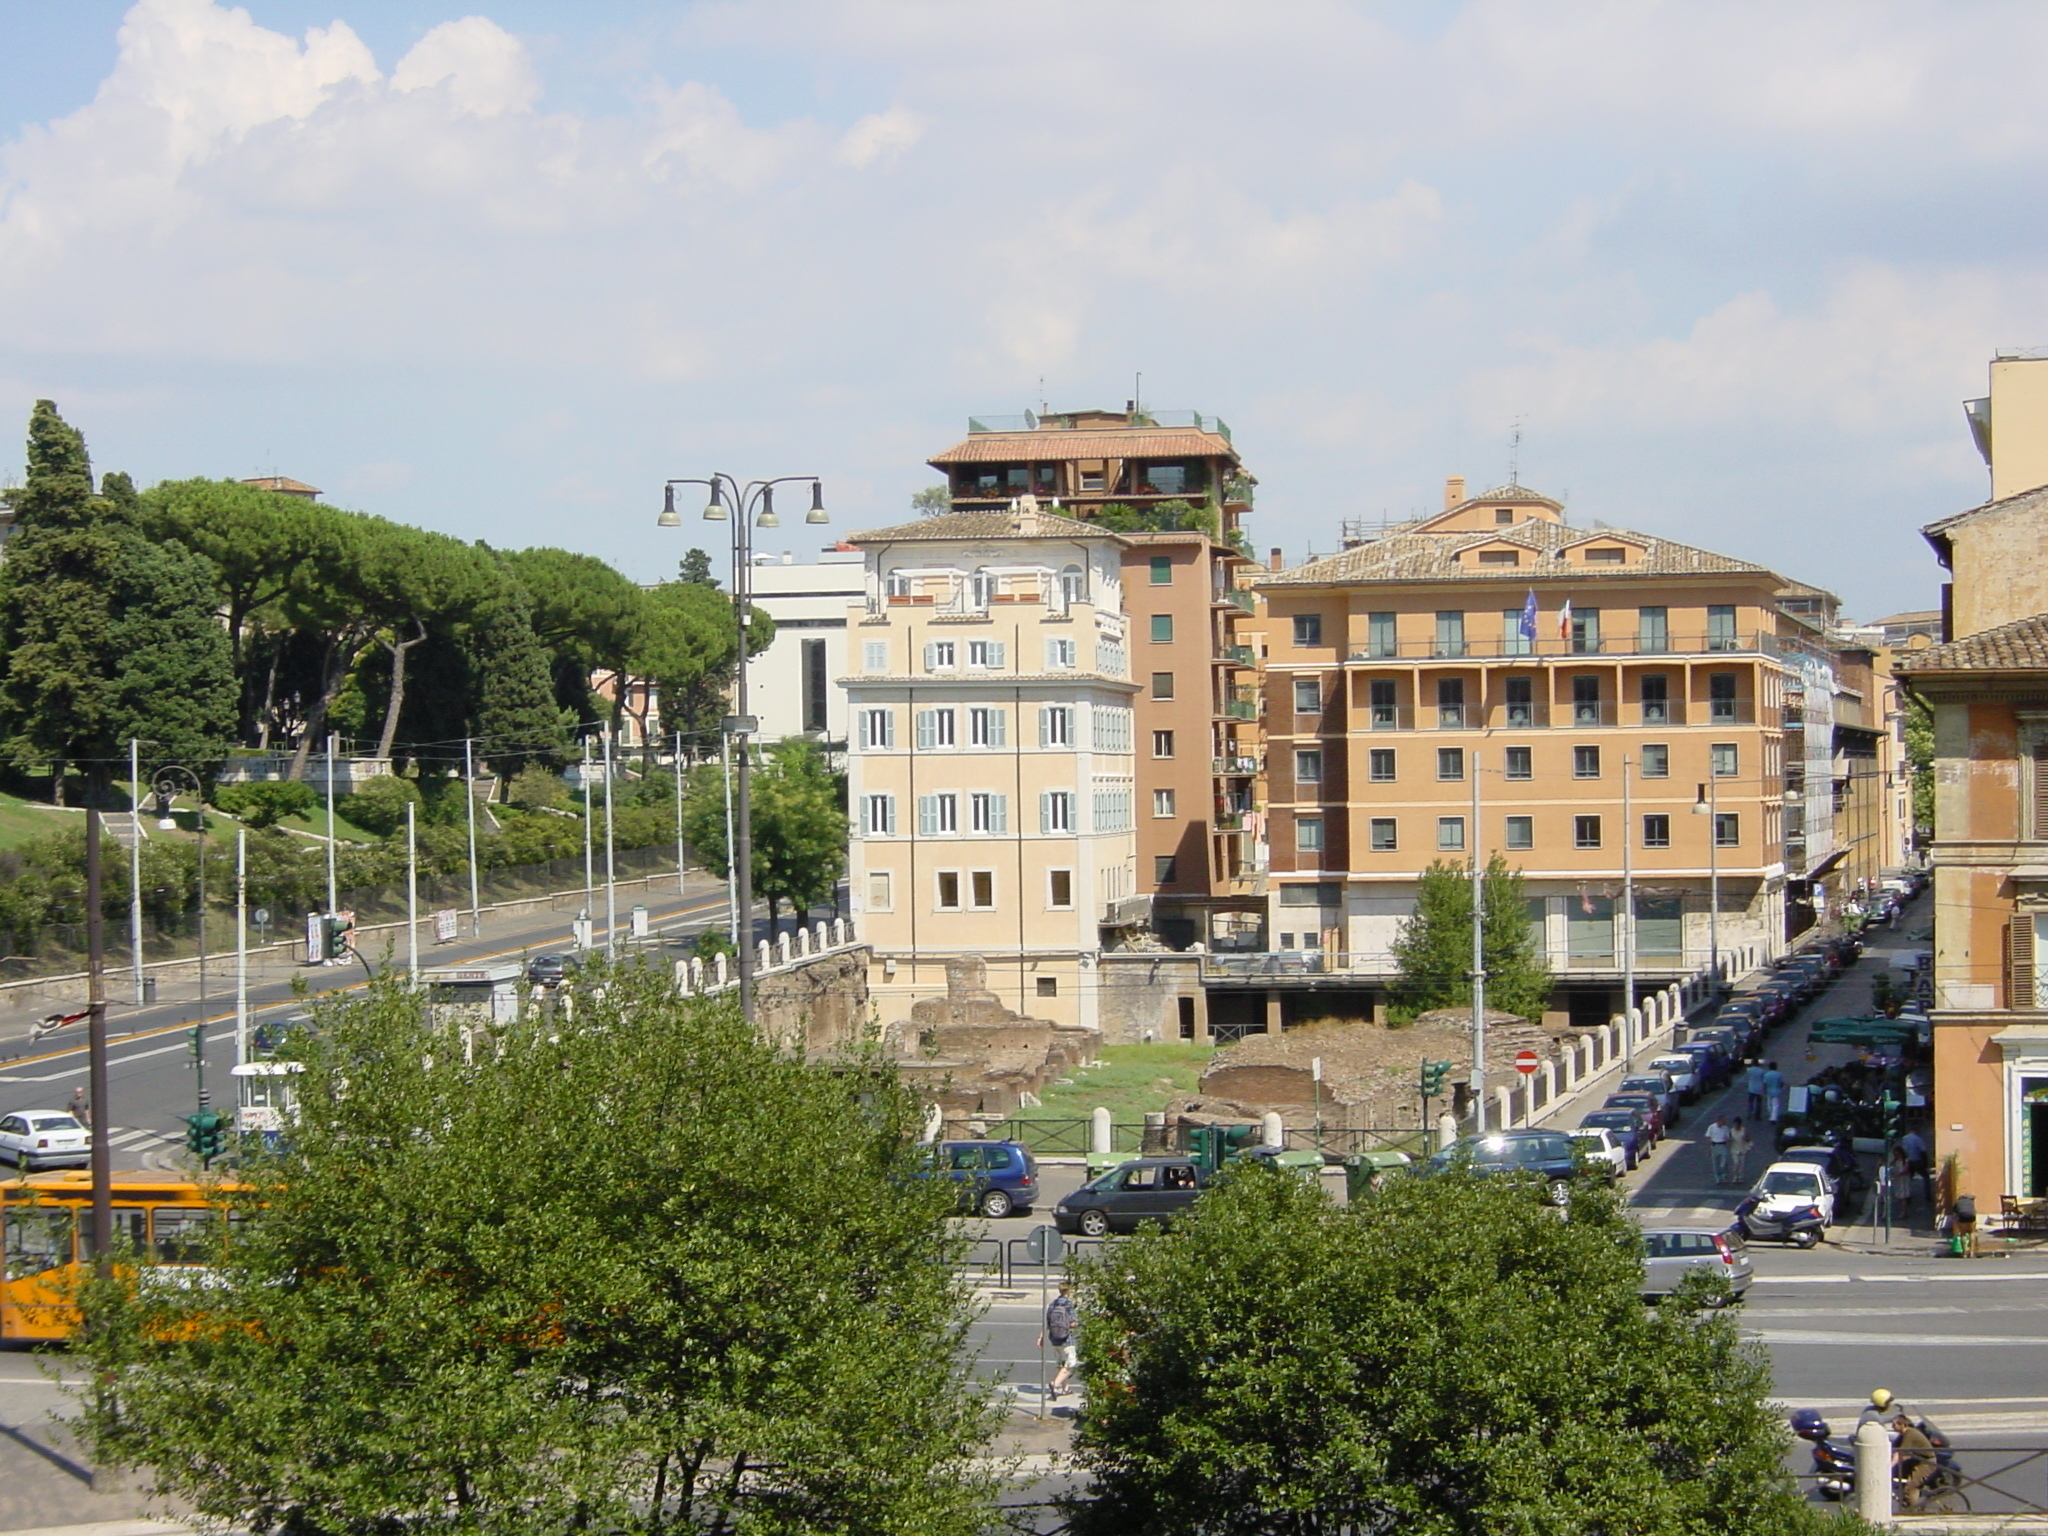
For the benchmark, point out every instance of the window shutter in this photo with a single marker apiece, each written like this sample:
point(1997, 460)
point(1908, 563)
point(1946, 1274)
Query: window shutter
point(927, 729)
point(996, 651)
point(1045, 810)
point(1045, 725)
point(2040, 827)
point(927, 815)
point(888, 727)
point(999, 813)
point(2019, 961)
point(887, 819)
point(998, 728)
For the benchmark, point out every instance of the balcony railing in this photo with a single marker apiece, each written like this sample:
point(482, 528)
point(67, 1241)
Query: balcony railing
point(1238, 709)
point(1238, 656)
point(1550, 648)
point(1238, 767)
point(1238, 597)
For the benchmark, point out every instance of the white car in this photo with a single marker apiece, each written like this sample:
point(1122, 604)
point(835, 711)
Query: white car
point(1682, 1069)
point(1789, 1187)
point(44, 1138)
point(1602, 1149)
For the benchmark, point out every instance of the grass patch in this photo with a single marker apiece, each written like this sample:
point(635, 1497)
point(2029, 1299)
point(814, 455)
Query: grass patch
point(21, 820)
point(1128, 1080)
point(344, 829)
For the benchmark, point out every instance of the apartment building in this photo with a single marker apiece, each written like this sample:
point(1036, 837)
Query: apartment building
point(992, 726)
point(1987, 688)
point(794, 684)
point(1622, 700)
point(1172, 483)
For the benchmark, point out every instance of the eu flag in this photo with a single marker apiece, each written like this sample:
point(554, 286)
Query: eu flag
point(1529, 616)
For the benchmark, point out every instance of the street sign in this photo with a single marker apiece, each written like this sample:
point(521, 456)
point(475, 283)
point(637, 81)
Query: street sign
point(446, 924)
point(260, 917)
point(1527, 1061)
point(1044, 1245)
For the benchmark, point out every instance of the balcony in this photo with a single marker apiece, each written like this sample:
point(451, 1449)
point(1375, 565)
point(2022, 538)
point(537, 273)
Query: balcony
point(1239, 598)
point(1234, 767)
point(1237, 656)
point(1239, 704)
point(1228, 821)
point(1524, 717)
point(1550, 648)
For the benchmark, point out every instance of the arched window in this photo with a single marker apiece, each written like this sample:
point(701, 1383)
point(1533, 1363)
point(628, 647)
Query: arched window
point(981, 587)
point(898, 584)
point(1073, 585)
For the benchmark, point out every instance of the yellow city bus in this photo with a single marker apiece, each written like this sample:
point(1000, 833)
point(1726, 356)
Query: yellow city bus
point(46, 1240)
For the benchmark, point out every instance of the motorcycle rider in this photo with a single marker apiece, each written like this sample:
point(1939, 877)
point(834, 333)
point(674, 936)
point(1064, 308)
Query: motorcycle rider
point(1880, 1410)
point(1912, 1454)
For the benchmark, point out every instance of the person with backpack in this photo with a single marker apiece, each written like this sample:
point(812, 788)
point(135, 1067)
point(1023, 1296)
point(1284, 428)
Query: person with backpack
point(1062, 1330)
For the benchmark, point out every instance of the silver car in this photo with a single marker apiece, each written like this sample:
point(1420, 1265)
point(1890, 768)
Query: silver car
point(44, 1138)
point(1683, 1070)
point(1672, 1253)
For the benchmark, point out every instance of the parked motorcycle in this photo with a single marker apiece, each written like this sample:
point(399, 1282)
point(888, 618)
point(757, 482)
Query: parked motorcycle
point(1771, 1221)
point(1834, 1467)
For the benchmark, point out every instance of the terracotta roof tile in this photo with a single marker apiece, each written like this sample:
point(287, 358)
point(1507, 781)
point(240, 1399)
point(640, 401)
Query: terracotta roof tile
point(1432, 557)
point(2021, 646)
point(1048, 446)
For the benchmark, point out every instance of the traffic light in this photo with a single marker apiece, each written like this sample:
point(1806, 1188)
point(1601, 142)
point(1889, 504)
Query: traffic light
point(196, 1035)
point(206, 1136)
point(1890, 1108)
point(1433, 1075)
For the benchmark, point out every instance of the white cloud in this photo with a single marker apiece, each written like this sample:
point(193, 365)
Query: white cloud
point(880, 136)
point(483, 68)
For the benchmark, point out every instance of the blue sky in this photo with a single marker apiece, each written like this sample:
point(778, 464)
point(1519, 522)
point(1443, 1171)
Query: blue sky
point(499, 272)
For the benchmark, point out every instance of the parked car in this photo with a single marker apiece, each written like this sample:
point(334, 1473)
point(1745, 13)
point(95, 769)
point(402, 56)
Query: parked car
point(44, 1138)
point(1626, 1126)
point(551, 970)
point(1683, 1069)
point(994, 1178)
point(1654, 1082)
point(1146, 1189)
point(1672, 1253)
point(1549, 1155)
point(1653, 1116)
point(1789, 1185)
point(1713, 1064)
point(1609, 1151)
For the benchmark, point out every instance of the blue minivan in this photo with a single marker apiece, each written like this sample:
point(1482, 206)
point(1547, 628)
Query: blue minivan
point(993, 1178)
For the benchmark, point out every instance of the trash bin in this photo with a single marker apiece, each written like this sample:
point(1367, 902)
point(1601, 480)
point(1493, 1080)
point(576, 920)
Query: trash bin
point(148, 990)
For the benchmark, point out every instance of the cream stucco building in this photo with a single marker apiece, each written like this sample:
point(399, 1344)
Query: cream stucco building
point(990, 720)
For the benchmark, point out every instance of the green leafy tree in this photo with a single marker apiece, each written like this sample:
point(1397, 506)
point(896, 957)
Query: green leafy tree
point(379, 805)
point(800, 829)
point(695, 568)
point(1450, 1358)
point(1920, 764)
point(265, 804)
point(516, 716)
point(931, 500)
point(585, 613)
point(1433, 950)
point(624, 1266)
point(107, 635)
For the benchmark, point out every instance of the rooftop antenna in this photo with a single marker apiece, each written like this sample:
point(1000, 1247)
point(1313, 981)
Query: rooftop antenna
point(1044, 406)
point(1138, 393)
point(1515, 454)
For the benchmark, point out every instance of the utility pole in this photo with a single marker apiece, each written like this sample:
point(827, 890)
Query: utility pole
point(333, 894)
point(476, 915)
point(1628, 895)
point(611, 871)
point(732, 901)
point(135, 860)
point(412, 895)
point(1478, 959)
point(96, 1050)
point(241, 945)
point(589, 855)
point(681, 888)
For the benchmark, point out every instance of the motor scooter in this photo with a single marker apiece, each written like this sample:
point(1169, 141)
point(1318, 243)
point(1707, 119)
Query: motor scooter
point(1780, 1220)
point(1834, 1466)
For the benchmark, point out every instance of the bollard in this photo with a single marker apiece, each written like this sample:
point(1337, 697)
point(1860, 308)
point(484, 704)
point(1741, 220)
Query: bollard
point(1273, 1129)
point(1874, 1474)
point(1099, 1130)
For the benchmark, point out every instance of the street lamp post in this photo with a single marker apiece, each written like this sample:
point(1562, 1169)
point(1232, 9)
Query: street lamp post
point(166, 787)
point(1707, 804)
point(751, 506)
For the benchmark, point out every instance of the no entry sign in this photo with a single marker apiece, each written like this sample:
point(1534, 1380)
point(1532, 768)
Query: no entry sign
point(1527, 1061)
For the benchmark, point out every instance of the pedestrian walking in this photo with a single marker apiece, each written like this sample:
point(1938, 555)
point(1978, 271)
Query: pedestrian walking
point(1919, 1162)
point(1738, 1150)
point(1753, 1080)
point(1774, 1093)
point(1062, 1331)
point(1962, 1223)
point(1718, 1136)
point(79, 1112)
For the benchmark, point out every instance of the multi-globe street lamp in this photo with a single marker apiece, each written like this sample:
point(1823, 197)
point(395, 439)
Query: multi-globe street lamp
point(165, 781)
point(746, 507)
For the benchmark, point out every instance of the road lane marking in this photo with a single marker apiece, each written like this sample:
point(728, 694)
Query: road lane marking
point(1964, 1279)
point(1750, 1309)
point(1890, 1340)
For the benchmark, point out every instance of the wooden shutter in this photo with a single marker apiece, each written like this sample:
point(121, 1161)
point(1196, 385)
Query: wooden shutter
point(2019, 961)
point(2039, 830)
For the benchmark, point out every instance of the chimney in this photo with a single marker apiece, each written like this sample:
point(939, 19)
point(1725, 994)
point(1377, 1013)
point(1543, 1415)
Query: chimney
point(1454, 491)
point(1274, 562)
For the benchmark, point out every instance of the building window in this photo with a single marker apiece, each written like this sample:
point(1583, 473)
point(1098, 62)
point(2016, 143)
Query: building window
point(1162, 685)
point(1585, 831)
point(881, 897)
point(1323, 893)
point(1059, 888)
point(1721, 698)
point(1379, 765)
point(1606, 554)
point(1450, 703)
point(1519, 694)
point(1162, 743)
point(1055, 725)
point(1162, 802)
point(947, 890)
point(1381, 692)
point(1721, 634)
point(1308, 834)
point(1161, 567)
point(989, 813)
point(1308, 696)
point(1585, 762)
point(981, 887)
point(1503, 516)
point(1048, 986)
point(1499, 557)
point(878, 815)
point(1450, 633)
point(1059, 655)
point(1723, 755)
point(1656, 760)
point(817, 686)
point(1380, 830)
point(1056, 811)
point(1512, 641)
point(1073, 585)
point(1586, 700)
point(1308, 629)
point(874, 656)
point(935, 728)
point(1450, 763)
point(1519, 763)
point(1656, 698)
point(937, 814)
point(1586, 631)
point(986, 655)
point(877, 729)
point(1162, 629)
point(1657, 831)
point(1727, 829)
point(988, 728)
point(1450, 834)
point(938, 656)
point(1379, 635)
point(1308, 766)
point(899, 584)
point(1163, 869)
point(1521, 832)
point(1653, 631)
